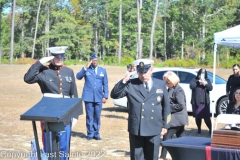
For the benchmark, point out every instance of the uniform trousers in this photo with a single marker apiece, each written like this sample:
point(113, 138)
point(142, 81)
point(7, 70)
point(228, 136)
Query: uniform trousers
point(64, 141)
point(144, 147)
point(179, 131)
point(93, 114)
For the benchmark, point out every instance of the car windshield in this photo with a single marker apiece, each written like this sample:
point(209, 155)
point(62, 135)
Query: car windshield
point(218, 80)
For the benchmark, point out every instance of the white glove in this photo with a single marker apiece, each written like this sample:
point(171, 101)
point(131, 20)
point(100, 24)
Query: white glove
point(46, 59)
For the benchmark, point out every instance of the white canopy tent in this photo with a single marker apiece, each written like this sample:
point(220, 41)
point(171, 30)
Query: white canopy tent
point(229, 37)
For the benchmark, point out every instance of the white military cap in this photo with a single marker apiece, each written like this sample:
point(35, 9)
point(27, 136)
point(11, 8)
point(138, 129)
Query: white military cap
point(143, 65)
point(58, 52)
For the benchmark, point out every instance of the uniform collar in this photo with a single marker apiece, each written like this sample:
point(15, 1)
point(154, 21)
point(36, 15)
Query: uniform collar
point(53, 67)
point(94, 68)
point(150, 82)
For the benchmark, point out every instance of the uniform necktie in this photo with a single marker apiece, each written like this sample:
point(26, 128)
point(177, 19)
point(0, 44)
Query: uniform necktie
point(147, 88)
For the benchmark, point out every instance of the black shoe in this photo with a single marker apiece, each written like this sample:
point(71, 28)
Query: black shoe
point(98, 138)
point(89, 138)
point(199, 132)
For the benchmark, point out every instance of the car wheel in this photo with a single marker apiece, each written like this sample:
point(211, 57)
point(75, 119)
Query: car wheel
point(222, 106)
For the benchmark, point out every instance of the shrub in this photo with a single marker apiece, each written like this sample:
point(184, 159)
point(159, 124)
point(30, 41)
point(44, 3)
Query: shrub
point(76, 62)
point(192, 63)
point(126, 60)
point(5, 61)
point(110, 60)
point(228, 63)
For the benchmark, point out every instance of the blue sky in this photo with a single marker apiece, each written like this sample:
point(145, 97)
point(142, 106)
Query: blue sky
point(6, 10)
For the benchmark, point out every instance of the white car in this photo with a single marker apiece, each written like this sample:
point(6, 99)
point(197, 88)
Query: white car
point(218, 98)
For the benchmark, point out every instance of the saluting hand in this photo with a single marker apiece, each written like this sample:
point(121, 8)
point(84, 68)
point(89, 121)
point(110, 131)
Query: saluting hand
point(46, 59)
point(127, 77)
point(88, 64)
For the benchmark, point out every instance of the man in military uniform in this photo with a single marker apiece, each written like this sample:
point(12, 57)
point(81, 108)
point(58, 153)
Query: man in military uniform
point(95, 92)
point(57, 81)
point(149, 111)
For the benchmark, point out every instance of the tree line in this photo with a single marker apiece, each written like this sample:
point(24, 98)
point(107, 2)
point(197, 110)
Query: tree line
point(160, 29)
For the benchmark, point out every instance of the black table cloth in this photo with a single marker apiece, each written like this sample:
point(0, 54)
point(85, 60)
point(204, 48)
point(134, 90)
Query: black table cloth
point(217, 153)
point(198, 148)
point(187, 148)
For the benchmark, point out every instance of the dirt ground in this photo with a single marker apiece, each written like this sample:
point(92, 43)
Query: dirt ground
point(17, 97)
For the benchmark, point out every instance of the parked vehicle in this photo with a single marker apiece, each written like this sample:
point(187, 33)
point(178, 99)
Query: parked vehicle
point(218, 98)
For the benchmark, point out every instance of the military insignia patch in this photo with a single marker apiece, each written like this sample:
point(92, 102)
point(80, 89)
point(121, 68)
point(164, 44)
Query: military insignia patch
point(67, 79)
point(168, 118)
point(101, 74)
point(141, 64)
point(159, 99)
point(159, 91)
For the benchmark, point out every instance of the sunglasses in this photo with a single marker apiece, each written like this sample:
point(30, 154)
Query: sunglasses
point(237, 93)
point(167, 82)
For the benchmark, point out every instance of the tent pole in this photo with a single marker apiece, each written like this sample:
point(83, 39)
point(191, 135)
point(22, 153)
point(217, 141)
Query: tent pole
point(214, 63)
point(214, 79)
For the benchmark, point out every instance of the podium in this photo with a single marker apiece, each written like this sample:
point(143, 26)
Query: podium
point(55, 113)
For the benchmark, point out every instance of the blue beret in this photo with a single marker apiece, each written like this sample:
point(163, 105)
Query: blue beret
point(93, 56)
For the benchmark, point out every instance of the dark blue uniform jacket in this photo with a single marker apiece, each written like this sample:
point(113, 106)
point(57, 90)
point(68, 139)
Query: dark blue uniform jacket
point(52, 79)
point(148, 112)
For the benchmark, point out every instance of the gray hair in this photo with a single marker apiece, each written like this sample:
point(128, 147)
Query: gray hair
point(172, 77)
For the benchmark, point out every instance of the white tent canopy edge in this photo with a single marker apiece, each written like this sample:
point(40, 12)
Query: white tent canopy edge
point(229, 37)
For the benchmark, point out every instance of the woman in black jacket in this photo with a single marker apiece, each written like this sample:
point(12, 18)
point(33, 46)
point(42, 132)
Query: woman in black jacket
point(179, 115)
point(233, 82)
point(200, 100)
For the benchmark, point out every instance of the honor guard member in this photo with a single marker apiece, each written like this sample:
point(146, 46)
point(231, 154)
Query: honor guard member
point(95, 92)
point(149, 110)
point(56, 81)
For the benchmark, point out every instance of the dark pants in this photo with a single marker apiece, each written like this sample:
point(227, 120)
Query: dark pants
point(144, 147)
point(207, 122)
point(93, 114)
point(179, 131)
